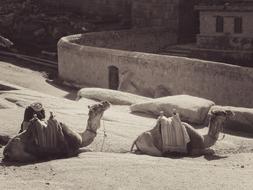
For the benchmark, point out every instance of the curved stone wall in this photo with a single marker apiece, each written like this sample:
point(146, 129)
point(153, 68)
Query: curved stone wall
point(146, 73)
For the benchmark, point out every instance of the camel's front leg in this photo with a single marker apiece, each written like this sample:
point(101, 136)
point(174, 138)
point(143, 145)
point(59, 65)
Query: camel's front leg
point(145, 144)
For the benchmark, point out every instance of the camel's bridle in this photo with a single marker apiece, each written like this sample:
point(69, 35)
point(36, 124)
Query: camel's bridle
point(90, 130)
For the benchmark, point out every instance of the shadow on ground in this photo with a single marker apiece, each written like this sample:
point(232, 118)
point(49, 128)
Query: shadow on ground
point(72, 92)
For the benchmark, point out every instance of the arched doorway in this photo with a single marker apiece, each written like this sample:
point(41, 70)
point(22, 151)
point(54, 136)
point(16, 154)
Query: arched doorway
point(113, 77)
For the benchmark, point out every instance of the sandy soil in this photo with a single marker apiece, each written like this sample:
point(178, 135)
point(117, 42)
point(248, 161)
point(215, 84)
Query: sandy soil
point(34, 78)
point(110, 165)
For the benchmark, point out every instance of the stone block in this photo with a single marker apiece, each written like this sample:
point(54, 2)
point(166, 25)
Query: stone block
point(113, 96)
point(191, 109)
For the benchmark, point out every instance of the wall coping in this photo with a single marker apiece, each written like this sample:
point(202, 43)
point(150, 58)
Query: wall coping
point(223, 8)
point(67, 42)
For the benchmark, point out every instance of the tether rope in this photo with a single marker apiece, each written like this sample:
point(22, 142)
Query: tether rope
point(104, 136)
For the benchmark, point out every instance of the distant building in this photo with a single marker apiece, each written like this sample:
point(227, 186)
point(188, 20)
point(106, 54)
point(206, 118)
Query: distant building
point(176, 15)
point(227, 26)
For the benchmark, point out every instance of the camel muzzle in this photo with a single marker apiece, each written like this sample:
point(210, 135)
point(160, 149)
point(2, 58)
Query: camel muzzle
point(106, 105)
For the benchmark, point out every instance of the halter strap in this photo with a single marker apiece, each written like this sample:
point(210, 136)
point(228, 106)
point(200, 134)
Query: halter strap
point(92, 131)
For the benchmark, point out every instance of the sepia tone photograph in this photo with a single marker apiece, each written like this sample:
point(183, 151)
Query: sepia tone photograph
point(126, 94)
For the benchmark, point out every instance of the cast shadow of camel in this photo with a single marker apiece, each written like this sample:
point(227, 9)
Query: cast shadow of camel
point(19, 164)
point(210, 155)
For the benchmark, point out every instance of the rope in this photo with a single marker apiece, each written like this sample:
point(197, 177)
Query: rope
point(222, 130)
point(105, 135)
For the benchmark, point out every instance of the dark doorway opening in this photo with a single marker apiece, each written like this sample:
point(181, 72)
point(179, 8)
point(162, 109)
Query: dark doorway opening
point(113, 77)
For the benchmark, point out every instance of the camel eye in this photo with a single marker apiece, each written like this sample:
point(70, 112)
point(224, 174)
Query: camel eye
point(16, 140)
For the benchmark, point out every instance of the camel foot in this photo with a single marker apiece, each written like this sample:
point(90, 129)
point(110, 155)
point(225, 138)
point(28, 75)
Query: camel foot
point(196, 153)
point(84, 150)
point(137, 152)
point(209, 152)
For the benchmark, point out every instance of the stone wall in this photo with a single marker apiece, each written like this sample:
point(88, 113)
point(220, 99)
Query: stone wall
point(112, 9)
point(144, 73)
point(225, 42)
point(144, 40)
point(155, 13)
point(235, 57)
point(178, 15)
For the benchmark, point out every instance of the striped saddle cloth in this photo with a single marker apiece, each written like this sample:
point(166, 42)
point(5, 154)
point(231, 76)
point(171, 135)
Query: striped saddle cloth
point(48, 134)
point(174, 135)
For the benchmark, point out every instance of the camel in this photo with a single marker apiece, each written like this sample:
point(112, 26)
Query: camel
point(150, 142)
point(24, 147)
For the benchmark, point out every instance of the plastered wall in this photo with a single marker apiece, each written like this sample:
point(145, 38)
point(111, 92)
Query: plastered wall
point(88, 65)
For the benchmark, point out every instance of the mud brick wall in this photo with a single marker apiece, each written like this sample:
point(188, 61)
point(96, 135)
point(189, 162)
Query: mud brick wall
point(107, 8)
point(158, 13)
point(224, 84)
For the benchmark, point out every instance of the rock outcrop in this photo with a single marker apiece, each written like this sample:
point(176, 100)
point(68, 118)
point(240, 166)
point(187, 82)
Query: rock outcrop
point(191, 109)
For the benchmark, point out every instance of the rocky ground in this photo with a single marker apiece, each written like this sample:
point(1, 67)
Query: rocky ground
point(110, 165)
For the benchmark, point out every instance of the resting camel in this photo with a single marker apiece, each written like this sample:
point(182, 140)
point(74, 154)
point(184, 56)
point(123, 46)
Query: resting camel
point(150, 142)
point(27, 145)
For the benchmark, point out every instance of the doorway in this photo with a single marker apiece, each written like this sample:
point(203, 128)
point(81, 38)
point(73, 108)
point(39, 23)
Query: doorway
point(113, 77)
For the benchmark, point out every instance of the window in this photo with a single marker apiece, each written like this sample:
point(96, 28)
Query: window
point(219, 24)
point(238, 25)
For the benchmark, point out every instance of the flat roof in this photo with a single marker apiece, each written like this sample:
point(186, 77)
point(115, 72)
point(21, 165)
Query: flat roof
point(237, 8)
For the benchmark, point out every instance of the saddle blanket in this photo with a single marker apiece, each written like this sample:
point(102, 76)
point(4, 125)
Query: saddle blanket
point(47, 134)
point(174, 135)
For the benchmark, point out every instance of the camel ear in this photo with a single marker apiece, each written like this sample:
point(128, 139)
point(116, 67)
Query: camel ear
point(213, 112)
point(88, 107)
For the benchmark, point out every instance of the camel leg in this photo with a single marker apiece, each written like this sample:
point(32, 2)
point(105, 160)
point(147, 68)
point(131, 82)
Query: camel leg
point(145, 144)
point(208, 151)
point(197, 152)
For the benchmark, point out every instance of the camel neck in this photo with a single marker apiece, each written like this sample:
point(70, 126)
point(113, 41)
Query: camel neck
point(213, 133)
point(93, 124)
point(90, 132)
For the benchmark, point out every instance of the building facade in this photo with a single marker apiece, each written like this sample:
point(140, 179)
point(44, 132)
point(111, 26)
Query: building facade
point(176, 15)
point(227, 26)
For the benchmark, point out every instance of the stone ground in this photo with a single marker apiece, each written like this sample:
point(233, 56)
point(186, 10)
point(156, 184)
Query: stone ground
point(110, 165)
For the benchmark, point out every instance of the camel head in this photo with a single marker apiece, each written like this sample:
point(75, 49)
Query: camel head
point(217, 119)
point(98, 109)
point(96, 112)
point(14, 151)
